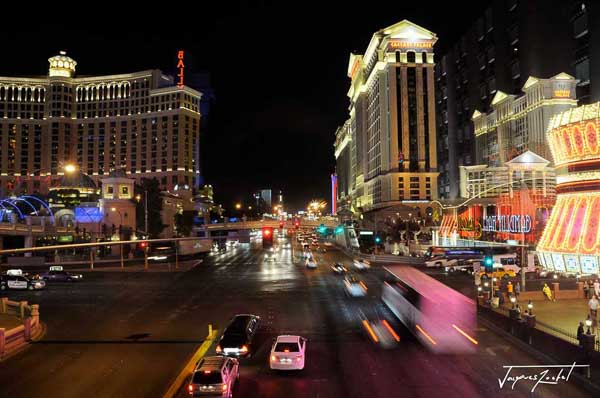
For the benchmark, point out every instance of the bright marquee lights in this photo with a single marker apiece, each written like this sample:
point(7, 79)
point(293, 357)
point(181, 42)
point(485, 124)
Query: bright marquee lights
point(571, 239)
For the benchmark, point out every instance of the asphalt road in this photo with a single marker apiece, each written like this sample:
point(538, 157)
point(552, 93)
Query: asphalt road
point(128, 335)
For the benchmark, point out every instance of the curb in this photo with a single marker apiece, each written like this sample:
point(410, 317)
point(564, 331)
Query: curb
point(189, 366)
point(580, 380)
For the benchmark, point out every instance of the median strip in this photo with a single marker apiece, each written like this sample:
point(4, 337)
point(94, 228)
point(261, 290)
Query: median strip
point(191, 364)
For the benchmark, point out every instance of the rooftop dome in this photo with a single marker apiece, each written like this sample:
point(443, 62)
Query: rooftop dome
point(74, 180)
point(118, 173)
point(61, 65)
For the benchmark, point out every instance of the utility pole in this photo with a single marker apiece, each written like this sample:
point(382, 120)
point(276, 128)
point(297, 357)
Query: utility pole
point(146, 229)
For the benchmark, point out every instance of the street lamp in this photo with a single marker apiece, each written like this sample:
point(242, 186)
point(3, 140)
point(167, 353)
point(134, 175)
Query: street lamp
point(113, 209)
point(238, 206)
point(530, 307)
point(513, 300)
point(588, 323)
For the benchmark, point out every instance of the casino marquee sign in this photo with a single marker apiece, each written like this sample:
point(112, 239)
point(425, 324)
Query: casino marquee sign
point(508, 223)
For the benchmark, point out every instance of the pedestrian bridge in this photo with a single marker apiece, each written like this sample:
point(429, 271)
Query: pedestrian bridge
point(247, 225)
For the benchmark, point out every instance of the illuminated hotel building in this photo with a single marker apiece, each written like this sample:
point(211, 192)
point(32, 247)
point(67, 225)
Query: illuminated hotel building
point(571, 239)
point(140, 122)
point(386, 151)
point(518, 124)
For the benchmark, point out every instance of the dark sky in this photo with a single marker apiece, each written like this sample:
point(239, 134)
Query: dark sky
point(278, 72)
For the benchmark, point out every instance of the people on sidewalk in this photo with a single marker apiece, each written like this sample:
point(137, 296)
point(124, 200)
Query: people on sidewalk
point(597, 288)
point(547, 292)
point(594, 304)
point(580, 333)
point(509, 289)
point(586, 290)
point(517, 290)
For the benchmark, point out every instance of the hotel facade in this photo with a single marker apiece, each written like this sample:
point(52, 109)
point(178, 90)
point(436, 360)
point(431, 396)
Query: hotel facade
point(386, 150)
point(142, 123)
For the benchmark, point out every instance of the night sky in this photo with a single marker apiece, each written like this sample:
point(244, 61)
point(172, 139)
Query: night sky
point(278, 72)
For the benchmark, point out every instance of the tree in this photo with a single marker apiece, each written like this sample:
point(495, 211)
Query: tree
point(150, 187)
point(184, 222)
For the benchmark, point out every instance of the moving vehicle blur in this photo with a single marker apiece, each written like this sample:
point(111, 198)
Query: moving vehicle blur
point(440, 317)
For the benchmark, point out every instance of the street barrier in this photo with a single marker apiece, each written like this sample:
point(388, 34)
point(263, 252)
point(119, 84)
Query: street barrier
point(14, 338)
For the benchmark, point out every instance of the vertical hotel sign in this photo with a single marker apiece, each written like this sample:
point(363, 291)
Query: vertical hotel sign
point(334, 188)
point(180, 68)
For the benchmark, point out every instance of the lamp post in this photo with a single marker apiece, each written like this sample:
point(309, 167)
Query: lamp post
point(113, 209)
point(138, 197)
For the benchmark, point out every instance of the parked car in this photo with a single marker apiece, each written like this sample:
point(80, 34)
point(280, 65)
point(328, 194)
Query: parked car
point(214, 376)
point(238, 335)
point(288, 353)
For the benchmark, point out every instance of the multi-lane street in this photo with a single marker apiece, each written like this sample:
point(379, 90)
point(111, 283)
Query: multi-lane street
point(127, 334)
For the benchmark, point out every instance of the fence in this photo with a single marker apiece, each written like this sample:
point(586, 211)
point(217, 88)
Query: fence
point(30, 316)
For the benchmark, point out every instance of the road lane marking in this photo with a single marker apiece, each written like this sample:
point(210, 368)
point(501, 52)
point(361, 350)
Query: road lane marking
point(190, 365)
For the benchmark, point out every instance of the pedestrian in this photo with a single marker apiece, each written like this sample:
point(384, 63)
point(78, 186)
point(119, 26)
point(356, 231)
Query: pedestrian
point(580, 334)
point(517, 290)
point(586, 290)
point(547, 292)
point(518, 311)
point(594, 304)
point(597, 288)
point(509, 288)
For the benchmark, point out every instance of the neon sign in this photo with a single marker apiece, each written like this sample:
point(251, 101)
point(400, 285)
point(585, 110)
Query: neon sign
point(410, 44)
point(511, 223)
point(562, 93)
point(181, 67)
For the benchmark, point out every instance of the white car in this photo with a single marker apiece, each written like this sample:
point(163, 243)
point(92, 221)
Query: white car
point(288, 353)
point(355, 287)
point(361, 265)
point(311, 263)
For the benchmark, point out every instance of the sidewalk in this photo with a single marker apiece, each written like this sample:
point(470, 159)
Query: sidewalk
point(560, 318)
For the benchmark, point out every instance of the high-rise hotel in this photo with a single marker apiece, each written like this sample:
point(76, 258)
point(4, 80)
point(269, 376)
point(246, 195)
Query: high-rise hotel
point(386, 151)
point(142, 123)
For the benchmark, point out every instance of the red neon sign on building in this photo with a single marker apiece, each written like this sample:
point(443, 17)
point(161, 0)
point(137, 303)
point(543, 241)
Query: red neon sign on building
point(180, 67)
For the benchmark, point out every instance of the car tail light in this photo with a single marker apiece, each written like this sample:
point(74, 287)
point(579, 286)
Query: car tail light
point(273, 358)
point(190, 388)
point(224, 387)
point(286, 350)
point(218, 349)
point(207, 372)
point(298, 359)
point(244, 348)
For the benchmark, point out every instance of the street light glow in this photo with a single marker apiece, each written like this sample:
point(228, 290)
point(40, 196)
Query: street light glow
point(70, 168)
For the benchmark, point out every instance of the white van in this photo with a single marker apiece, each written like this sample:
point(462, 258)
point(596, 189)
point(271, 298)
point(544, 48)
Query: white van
point(507, 261)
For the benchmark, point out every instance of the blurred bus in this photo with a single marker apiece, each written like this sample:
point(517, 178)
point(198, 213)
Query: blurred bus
point(440, 317)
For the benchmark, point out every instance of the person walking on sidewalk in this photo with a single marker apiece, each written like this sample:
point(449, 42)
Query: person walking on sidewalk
point(547, 292)
point(509, 289)
point(586, 290)
point(597, 288)
point(594, 304)
point(517, 290)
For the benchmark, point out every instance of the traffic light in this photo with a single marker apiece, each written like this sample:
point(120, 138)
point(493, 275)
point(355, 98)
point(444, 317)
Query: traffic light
point(377, 240)
point(339, 229)
point(296, 224)
point(488, 263)
point(143, 245)
point(281, 224)
point(267, 237)
point(322, 229)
